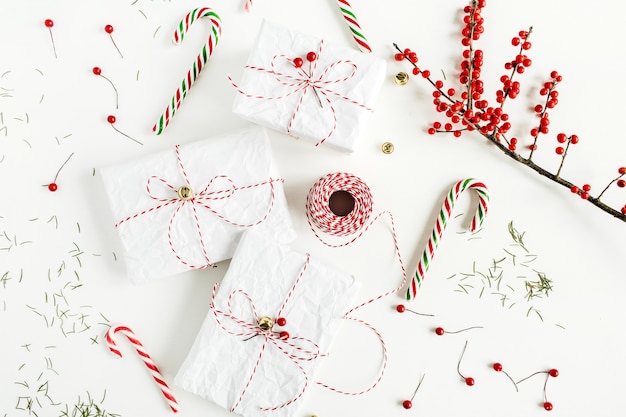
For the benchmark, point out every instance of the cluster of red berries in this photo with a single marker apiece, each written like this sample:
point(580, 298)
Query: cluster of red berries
point(473, 22)
point(582, 192)
point(621, 183)
point(412, 58)
point(298, 62)
point(521, 61)
point(562, 138)
point(551, 94)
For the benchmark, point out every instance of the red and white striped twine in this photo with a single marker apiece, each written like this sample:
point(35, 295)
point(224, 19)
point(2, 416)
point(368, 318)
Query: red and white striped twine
point(321, 217)
point(154, 371)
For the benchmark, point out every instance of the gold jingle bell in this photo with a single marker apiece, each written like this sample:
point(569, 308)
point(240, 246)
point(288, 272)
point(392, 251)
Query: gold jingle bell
point(265, 323)
point(387, 148)
point(185, 192)
point(401, 78)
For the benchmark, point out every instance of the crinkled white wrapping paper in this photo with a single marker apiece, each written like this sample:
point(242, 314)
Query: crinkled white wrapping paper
point(220, 364)
point(243, 156)
point(311, 121)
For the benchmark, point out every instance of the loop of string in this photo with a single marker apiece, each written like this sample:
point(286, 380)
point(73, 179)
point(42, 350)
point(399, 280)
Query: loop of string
point(166, 194)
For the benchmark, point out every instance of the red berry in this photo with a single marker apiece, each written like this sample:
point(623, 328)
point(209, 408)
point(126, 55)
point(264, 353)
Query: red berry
point(52, 187)
point(469, 381)
point(538, 108)
point(416, 71)
point(622, 170)
point(560, 150)
point(554, 74)
point(298, 62)
point(621, 183)
point(398, 57)
point(587, 187)
point(281, 321)
point(407, 404)
point(426, 73)
point(553, 373)
point(547, 406)
point(584, 195)
point(497, 367)
point(311, 56)
point(526, 45)
point(97, 70)
point(573, 139)
point(515, 41)
point(431, 131)
point(400, 308)
point(49, 23)
point(624, 210)
point(111, 119)
point(574, 189)
point(108, 29)
point(439, 331)
point(284, 335)
point(561, 137)
point(457, 133)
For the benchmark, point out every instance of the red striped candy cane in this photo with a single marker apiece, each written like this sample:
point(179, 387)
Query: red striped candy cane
point(440, 225)
point(165, 389)
point(198, 64)
point(353, 25)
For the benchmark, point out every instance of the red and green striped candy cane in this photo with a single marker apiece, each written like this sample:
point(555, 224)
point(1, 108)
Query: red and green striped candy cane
point(442, 221)
point(198, 64)
point(354, 26)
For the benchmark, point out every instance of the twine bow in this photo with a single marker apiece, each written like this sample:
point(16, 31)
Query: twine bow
point(318, 80)
point(295, 349)
point(160, 190)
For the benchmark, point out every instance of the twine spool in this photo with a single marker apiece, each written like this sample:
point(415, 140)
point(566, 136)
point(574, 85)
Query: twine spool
point(339, 204)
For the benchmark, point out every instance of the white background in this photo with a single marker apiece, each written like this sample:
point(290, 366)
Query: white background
point(61, 258)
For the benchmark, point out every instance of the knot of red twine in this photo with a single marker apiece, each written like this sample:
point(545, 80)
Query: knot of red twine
point(317, 80)
point(296, 349)
point(211, 192)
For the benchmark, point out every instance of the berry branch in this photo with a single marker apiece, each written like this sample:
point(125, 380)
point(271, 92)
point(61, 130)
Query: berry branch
point(469, 111)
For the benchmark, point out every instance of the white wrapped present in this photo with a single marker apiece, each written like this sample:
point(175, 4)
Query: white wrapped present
point(187, 207)
point(327, 100)
point(273, 316)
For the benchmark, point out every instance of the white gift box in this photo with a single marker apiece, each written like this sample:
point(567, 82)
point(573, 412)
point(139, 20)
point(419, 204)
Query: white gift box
point(328, 100)
point(254, 372)
point(186, 208)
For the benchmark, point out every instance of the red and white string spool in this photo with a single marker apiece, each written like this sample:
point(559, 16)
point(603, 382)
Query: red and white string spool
point(341, 204)
point(355, 196)
point(154, 371)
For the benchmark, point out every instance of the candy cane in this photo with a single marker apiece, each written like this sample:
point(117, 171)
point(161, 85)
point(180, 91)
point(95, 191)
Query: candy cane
point(442, 221)
point(353, 25)
point(198, 64)
point(165, 389)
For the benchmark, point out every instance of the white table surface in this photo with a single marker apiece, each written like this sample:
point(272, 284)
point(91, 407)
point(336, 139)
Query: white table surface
point(61, 256)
